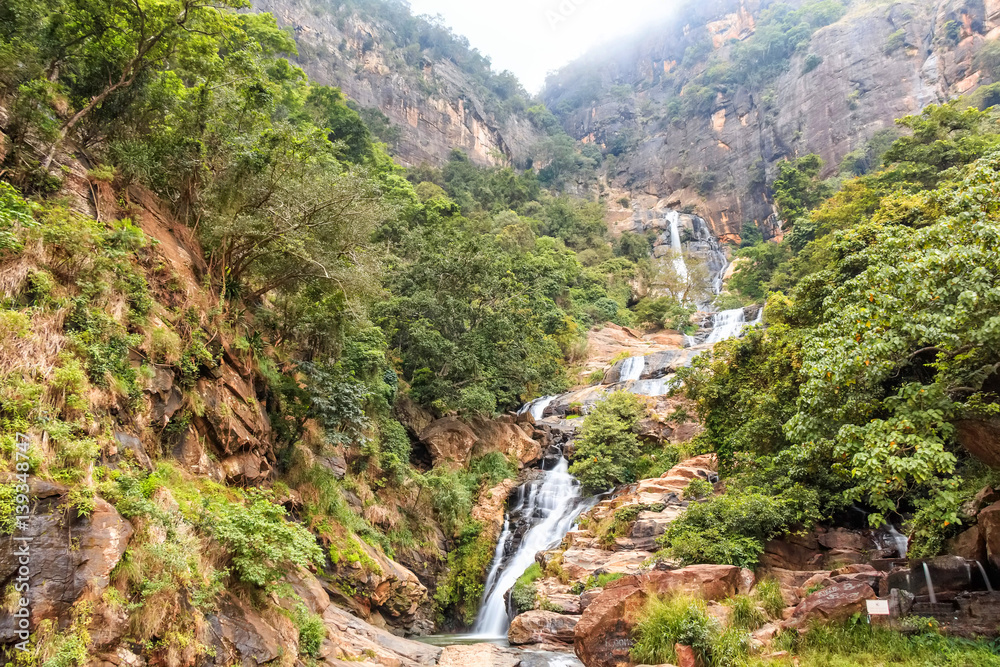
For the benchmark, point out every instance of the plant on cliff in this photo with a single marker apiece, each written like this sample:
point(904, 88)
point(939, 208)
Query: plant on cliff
point(668, 621)
point(608, 447)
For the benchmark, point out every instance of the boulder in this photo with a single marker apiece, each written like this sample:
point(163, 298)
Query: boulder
point(413, 417)
point(449, 440)
point(686, 656)
point(603, 635)
point(834, 603)
point(588, 597)
point(989, 526)
point(479, 655)
point(71, 556)
point(505, 437)
point(981, 437)
point(542, 627)
point(239, 634)
point(563, 603)
point(579, 564)
point(352, 640)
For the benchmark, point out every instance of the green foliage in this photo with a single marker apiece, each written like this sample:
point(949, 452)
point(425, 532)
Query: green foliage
point(666, 312)
point(769, 597)
point(261, 542)
point(746, 615)
point(608, 446)
point(8, 508)
point(797, 188)
point(731, 529)
point(664, 622)
point(524, 591)
point(698, 488)
point(462, 588)
point(312, 631)
point(811, 62)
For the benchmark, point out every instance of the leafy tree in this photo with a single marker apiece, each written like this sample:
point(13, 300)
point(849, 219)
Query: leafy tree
point(797, 188)
point(608, 447)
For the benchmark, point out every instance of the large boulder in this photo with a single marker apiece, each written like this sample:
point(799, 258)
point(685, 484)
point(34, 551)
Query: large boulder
point(542, 627)
point(603, 636)
point(70, 557)
point(981, 437)
point(352, 640)
point(239, 634)
point(506, 437)
point(989, 526)
point(449, 440)
point(837, 602)
point(579, 564)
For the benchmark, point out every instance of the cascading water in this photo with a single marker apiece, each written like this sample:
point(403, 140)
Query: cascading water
point(537, 407)
point(673, 217)
point(631, 369)
point(727, 324)
point(550, 505)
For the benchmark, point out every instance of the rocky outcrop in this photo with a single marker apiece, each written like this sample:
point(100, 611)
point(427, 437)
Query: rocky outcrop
point(452, 441)
point(69, 557)
point(876, 64)
point(541, 627)
point(981, 438)
point(432, 103)
point(835, 603)
point(989, 526)
point(382, 585)
point(352, 640)
point(602, 637)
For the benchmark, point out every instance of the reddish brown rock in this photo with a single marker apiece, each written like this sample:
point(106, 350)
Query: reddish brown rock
point(969, 544)
point(479, 655)
point(504, 437)
point(542, 627)
point(981, 437)
point(989, 526)
point(686, 656)
point(834, 603)
point(449, 440)
point(603, 635)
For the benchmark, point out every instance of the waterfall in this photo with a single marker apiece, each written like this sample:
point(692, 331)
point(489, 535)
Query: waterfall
point(675, 245)
point(727, 324)
point(899, 540)
point(537, 407)
point(930, 586)
point(631, 369)
point(550, 505)
point(655, 387)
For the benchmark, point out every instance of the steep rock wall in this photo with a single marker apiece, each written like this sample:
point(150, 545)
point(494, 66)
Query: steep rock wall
point(436, 106)
point(876, 64)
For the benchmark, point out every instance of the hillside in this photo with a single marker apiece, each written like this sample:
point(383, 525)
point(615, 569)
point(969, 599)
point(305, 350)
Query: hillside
point(700, 111)
point(427, 90)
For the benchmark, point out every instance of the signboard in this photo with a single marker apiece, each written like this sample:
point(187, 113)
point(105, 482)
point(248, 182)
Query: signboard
point(878, 607)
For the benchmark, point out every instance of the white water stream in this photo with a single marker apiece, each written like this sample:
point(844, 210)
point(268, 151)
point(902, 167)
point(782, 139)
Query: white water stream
point(551, 505)
point(673, 217)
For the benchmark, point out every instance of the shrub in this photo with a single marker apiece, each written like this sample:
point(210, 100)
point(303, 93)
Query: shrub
point(746, 615)
point(697, 489)
point(664, 622)
point(394, 450)
point(607, 448)
point(811, 62)
point(312, 631)
point(524, 591)
point(731, 529)
point(261, 542)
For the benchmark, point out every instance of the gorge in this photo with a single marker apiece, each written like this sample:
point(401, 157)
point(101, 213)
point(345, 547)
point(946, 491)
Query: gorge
point(325, 343)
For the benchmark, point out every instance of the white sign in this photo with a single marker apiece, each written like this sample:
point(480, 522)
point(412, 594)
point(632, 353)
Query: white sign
point(878, 607)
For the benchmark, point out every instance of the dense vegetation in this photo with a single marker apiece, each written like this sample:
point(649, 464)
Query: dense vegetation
point(881, 336)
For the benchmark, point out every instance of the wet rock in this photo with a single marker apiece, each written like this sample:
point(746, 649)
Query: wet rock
point(834, 603)
point(71, 556)
point(542, 627)
point(486, 655)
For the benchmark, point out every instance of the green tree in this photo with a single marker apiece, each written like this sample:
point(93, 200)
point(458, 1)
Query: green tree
point(608, 448)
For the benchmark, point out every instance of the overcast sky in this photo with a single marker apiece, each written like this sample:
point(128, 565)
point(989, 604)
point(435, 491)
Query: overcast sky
point(534, 37)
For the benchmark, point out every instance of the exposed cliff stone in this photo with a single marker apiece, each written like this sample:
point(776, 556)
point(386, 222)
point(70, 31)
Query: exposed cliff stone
point(70, 557)
point(876, 64)
point(452, 441)
point(435, 105)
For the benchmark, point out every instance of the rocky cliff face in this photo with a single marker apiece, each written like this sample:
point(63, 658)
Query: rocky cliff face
point(434, 105)
point(852, 79)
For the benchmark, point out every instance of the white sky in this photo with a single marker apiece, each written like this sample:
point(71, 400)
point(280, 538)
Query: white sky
point(533, 37)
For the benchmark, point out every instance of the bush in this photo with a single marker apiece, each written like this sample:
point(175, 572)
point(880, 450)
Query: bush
point(608, 448)
point(746, 615)
point(524, 591)
point(768, 595)
point(312, 631)
point(697, 489)
point(731, 529)
point(664, 622)
point(261, 542)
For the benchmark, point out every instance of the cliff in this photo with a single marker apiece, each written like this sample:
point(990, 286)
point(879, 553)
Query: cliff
point(435, 92)
point(689, 132)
